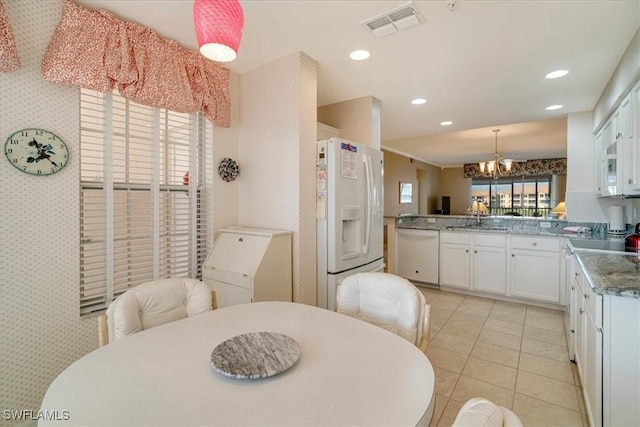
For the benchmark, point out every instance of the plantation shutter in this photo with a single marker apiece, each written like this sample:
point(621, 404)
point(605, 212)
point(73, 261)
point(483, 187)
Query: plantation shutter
point(144, 202)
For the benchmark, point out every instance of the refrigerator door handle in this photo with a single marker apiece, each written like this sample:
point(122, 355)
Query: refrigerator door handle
point(369, 205)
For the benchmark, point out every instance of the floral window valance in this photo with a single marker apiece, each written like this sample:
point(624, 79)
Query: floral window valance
point(9, 59)
point(529, 168)
point(95, 50)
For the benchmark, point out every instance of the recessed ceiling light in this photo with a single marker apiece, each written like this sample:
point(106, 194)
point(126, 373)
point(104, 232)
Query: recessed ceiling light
point(447, 123)
point(419, 101)
point(359, 55)
point(556, 74)
point(554, 107)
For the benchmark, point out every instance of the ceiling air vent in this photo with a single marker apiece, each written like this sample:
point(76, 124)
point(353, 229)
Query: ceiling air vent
point(394, 20)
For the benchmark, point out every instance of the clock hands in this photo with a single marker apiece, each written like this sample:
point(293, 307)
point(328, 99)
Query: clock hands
point(44, 152)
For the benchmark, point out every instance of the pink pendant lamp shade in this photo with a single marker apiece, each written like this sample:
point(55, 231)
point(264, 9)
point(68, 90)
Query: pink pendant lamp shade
point(218, 28)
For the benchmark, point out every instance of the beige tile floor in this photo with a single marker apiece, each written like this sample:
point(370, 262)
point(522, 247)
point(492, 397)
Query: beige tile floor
point(512, 354)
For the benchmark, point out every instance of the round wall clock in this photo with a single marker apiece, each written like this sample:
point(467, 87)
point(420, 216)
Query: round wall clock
point(36, 151)
point(228, 169)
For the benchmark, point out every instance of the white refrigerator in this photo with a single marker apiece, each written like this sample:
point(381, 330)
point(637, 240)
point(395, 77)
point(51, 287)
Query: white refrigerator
point(349, 214)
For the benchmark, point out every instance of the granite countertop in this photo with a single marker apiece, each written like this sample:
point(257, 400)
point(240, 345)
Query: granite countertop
point(612, 273)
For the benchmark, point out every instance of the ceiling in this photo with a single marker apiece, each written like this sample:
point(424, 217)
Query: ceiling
point(480, 64)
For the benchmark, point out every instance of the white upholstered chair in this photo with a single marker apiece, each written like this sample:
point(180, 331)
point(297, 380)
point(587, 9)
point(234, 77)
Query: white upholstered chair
point(388, 301)
point(479, 412)
point(152, 304)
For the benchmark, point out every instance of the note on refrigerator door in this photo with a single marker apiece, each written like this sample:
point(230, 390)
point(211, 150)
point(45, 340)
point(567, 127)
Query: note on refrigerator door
point(349, 164)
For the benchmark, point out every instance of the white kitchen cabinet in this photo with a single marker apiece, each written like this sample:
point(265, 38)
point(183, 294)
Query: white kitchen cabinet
point(535, 268)
point(634, 127)
point(474, 261)
point(607, 353)
point(418, 255)
point(250, 264)
point(620, 361)
point(618, 150)
point(489, 263)
point(454, 259)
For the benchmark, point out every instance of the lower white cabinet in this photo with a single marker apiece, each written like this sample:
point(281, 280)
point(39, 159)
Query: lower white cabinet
point(475, 261)
point(535, 268)
point(489, 263)
point(454, 259)
point(607, 352)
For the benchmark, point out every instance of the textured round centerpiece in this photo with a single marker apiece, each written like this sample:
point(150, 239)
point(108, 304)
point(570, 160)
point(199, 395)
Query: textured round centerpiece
point(255, 355)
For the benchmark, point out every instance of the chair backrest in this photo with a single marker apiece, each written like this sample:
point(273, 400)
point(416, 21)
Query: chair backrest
point(385, 300)
point(156, 303)
point(481, 412)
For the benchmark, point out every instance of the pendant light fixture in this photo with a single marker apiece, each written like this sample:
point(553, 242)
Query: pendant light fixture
point(493, 166)
point(218, 26)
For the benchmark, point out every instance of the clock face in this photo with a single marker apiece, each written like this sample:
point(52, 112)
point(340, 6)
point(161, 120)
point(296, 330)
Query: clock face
point(36, 151)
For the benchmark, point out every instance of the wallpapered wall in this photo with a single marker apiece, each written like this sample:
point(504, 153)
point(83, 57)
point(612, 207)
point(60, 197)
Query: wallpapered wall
point(277, 153)
point(40, 329)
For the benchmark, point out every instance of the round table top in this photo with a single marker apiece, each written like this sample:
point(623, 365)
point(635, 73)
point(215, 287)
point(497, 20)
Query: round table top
point(349, 373)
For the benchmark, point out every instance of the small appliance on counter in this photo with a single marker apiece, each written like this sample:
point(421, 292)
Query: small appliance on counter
point(617, 225)
point(632, 241)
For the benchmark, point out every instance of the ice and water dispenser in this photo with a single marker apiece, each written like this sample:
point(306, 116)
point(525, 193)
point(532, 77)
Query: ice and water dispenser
point(250, 265)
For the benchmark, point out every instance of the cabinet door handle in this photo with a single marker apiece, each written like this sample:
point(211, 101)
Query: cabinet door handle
point(573, 287)
point(475, 252)
point(534, 243)
point(586, 296)
point(581, 311)
point(513, 255)
point(630, 181)
point(466, 250)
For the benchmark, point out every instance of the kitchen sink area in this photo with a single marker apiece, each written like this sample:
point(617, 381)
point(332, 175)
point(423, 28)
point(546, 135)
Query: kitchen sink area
point(479, 228)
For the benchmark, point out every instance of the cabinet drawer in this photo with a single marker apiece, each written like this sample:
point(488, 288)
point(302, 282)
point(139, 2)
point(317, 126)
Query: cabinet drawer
point(490, 240)
point(535, 243)
point(460, 238)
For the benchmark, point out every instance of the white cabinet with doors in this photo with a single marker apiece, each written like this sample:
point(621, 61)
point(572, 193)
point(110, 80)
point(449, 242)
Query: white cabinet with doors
point(535, 268)
point(618, 149)
point(418, 255)
point(607, 352)
point(588, 349)
point(474, 261)
point(489, 263)
point(454, 259)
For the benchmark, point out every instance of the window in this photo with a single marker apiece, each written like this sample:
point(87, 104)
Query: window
point(525, 196)
point(143, 199)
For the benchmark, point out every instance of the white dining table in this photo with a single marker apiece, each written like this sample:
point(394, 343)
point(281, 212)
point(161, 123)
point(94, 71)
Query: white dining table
point(349, 372)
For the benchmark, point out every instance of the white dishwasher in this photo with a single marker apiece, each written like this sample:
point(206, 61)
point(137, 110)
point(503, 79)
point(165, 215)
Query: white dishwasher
point(418, 255)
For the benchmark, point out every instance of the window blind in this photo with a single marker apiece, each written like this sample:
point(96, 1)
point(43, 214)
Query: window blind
point(144, 197)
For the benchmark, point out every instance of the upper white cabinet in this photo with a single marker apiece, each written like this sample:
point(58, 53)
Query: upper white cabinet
point(618, 150)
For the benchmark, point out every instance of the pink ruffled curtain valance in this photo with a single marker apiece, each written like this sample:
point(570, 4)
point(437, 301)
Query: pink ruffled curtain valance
point(95, 50)
point(9, 59)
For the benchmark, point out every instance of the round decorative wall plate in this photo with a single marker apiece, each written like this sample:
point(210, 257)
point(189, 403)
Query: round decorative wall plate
point(228, 169)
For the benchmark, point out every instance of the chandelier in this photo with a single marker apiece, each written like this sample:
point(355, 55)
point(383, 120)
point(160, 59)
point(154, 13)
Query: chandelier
point(493, 166)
